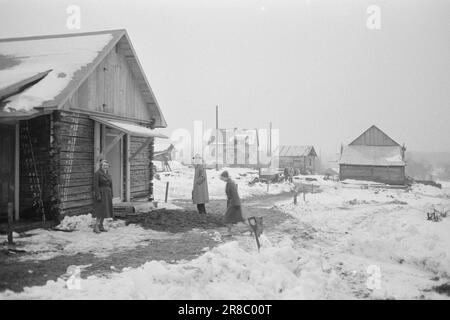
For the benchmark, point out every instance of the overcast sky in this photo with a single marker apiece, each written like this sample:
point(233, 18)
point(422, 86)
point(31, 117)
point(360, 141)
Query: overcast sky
point(312, 67)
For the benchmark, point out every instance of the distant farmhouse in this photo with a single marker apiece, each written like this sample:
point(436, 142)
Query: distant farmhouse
point(373, 156)
point(298, 157)
point(67, 101)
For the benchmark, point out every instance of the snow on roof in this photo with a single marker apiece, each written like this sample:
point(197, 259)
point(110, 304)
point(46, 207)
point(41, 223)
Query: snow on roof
point(372, 155)
point(131, 128)
point(64, 56)
point(295, 151)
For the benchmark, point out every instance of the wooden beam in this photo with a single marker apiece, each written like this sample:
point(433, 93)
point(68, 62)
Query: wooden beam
point(127, 168)
point(103, 140)
point(110, 116)
point(97, 139)
point(143, 145)
point(17, 172)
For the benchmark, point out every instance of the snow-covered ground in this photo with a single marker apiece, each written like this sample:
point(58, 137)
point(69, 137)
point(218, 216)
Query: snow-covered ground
point(182, 177)
point(348, 240)
point(230, 271)
point(385, 231)
point(43, 244)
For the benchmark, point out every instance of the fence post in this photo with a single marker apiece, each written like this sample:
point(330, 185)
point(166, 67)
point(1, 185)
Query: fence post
point(10, 223)
point(167, 191)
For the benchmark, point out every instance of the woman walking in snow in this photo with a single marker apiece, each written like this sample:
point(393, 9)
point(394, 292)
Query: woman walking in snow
point(233, 214)
point(200, 194)
point(103, 207)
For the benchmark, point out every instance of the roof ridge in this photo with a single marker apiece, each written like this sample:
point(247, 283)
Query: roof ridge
point(62, 35)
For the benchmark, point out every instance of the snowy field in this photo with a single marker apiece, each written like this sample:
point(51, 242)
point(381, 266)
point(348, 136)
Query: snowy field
point(346, 241)
point(181, 181)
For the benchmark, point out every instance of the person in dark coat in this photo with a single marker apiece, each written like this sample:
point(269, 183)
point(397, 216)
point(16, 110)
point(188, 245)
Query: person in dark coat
point(286, 174)
point(200, 195)
point(233, 214)
point(103, 207)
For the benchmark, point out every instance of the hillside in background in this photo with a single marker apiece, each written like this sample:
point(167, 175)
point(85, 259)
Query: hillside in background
point(428, 165)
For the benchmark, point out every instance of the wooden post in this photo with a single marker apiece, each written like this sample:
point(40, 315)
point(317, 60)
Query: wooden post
point(97, 143)
point(17, 173)
point(167, 191)
point(295, 197)
point(127, 169)
point(103, 141)
point(268, 183)
point(10, 224)
point(217, 138)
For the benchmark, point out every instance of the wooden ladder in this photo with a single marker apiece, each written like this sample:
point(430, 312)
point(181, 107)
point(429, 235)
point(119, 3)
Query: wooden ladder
point(33, 176)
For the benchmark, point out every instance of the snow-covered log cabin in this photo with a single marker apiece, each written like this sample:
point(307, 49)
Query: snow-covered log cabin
point(373, 156)
point(66, 101)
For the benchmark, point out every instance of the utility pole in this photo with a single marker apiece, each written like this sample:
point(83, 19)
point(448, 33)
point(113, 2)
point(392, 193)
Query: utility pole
point(270, 138)
point(217, 138)
point(257, 153)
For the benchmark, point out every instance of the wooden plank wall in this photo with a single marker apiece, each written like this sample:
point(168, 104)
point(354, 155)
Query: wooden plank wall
point(74, 137)
point(7, 135)
point(141, 169)
point(391, 175)
point(297, 162)
point(112, 88)
point(374, 137)
point(38, 131)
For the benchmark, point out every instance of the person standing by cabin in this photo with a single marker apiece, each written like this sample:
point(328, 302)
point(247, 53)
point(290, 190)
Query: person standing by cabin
point(200, 195)
point(286, 174)
point(233, 215)
point(291, 174)
point(103, 207)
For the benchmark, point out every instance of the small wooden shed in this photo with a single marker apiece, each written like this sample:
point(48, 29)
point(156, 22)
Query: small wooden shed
point(297, 157)
point(67, 101)
point(373, 156)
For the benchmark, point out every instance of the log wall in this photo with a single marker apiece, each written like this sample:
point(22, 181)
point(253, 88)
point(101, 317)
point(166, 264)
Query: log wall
point(389, 175)
point(74, 138)
point(38, 170)
point(63, 149)
point(302, 163)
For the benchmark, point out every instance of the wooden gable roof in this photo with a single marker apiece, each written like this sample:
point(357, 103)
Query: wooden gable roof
point(296, 151)
point(374, 137)
point(49, 69)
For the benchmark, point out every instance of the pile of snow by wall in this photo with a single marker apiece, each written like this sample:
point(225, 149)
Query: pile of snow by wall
point(85, 222)
point(78, 237)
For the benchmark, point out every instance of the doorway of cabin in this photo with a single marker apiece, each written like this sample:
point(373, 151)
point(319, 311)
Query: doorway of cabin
point(114, 139)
